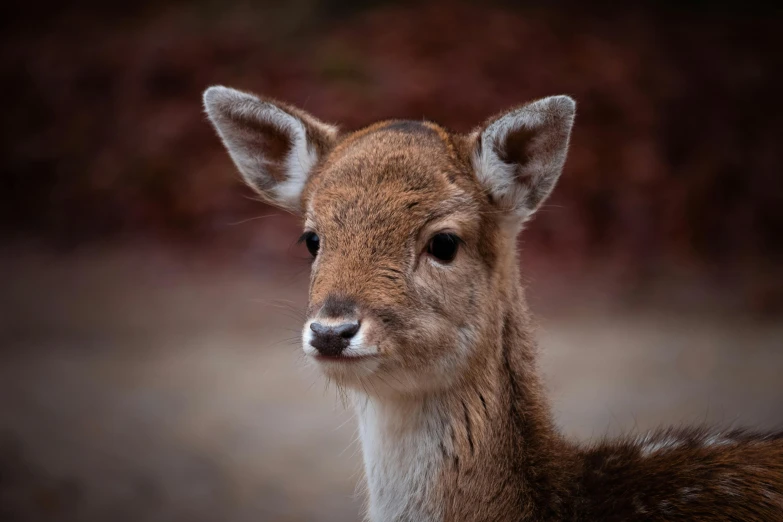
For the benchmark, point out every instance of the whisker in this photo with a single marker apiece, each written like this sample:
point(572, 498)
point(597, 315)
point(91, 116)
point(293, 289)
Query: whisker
point(251, 219)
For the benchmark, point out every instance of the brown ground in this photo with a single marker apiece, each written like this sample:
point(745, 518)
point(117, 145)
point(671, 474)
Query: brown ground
point(138, 386)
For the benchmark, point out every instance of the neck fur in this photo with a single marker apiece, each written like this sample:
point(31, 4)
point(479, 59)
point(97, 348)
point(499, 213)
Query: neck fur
point(484, 451)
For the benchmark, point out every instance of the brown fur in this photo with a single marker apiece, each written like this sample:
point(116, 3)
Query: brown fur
point(375, 198)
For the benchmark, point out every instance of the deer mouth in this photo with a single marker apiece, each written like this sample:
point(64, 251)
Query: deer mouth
point(345, 358)
point(347, 367)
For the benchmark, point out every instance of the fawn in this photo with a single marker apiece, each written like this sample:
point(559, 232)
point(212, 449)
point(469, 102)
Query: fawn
point(416, 308)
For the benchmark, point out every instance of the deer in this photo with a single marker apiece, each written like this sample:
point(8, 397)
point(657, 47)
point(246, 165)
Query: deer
point(417, 312)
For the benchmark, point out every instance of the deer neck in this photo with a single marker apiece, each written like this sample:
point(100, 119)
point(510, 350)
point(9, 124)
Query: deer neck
point(486, 450)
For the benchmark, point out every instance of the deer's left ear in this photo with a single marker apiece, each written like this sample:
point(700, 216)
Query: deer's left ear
point(519, 155)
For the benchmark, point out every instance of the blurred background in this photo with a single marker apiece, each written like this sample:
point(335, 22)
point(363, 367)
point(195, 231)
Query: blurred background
point(149, 306)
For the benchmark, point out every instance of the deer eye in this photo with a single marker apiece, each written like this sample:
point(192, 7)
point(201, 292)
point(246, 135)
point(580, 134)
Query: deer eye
point(444, 246)
point(312, 241)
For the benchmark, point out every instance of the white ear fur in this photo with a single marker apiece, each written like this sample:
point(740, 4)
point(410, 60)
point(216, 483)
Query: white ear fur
point(519, 156)
point(274, 146)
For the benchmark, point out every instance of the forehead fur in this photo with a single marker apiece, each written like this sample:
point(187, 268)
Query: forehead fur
point(410, 164)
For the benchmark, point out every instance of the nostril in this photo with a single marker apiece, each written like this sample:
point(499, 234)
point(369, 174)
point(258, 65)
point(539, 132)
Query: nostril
point(319, 329)
point(347, 330)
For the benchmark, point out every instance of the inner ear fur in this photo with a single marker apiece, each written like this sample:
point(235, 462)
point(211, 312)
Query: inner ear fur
point(274, 146)
point(518, 156)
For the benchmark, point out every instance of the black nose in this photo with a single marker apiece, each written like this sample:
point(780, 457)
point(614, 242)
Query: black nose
point(332, 340)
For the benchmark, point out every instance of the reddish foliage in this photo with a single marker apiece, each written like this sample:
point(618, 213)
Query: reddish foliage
point(675, 154)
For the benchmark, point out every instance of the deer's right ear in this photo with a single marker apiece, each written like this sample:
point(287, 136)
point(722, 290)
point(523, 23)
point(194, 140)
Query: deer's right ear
point(274, 146)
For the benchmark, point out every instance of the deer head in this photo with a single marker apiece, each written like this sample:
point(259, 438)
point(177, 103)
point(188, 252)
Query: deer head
point(412, 229)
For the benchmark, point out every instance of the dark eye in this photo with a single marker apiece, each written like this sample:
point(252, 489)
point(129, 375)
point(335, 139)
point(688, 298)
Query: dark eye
point(312, 241)
point(443, 247)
